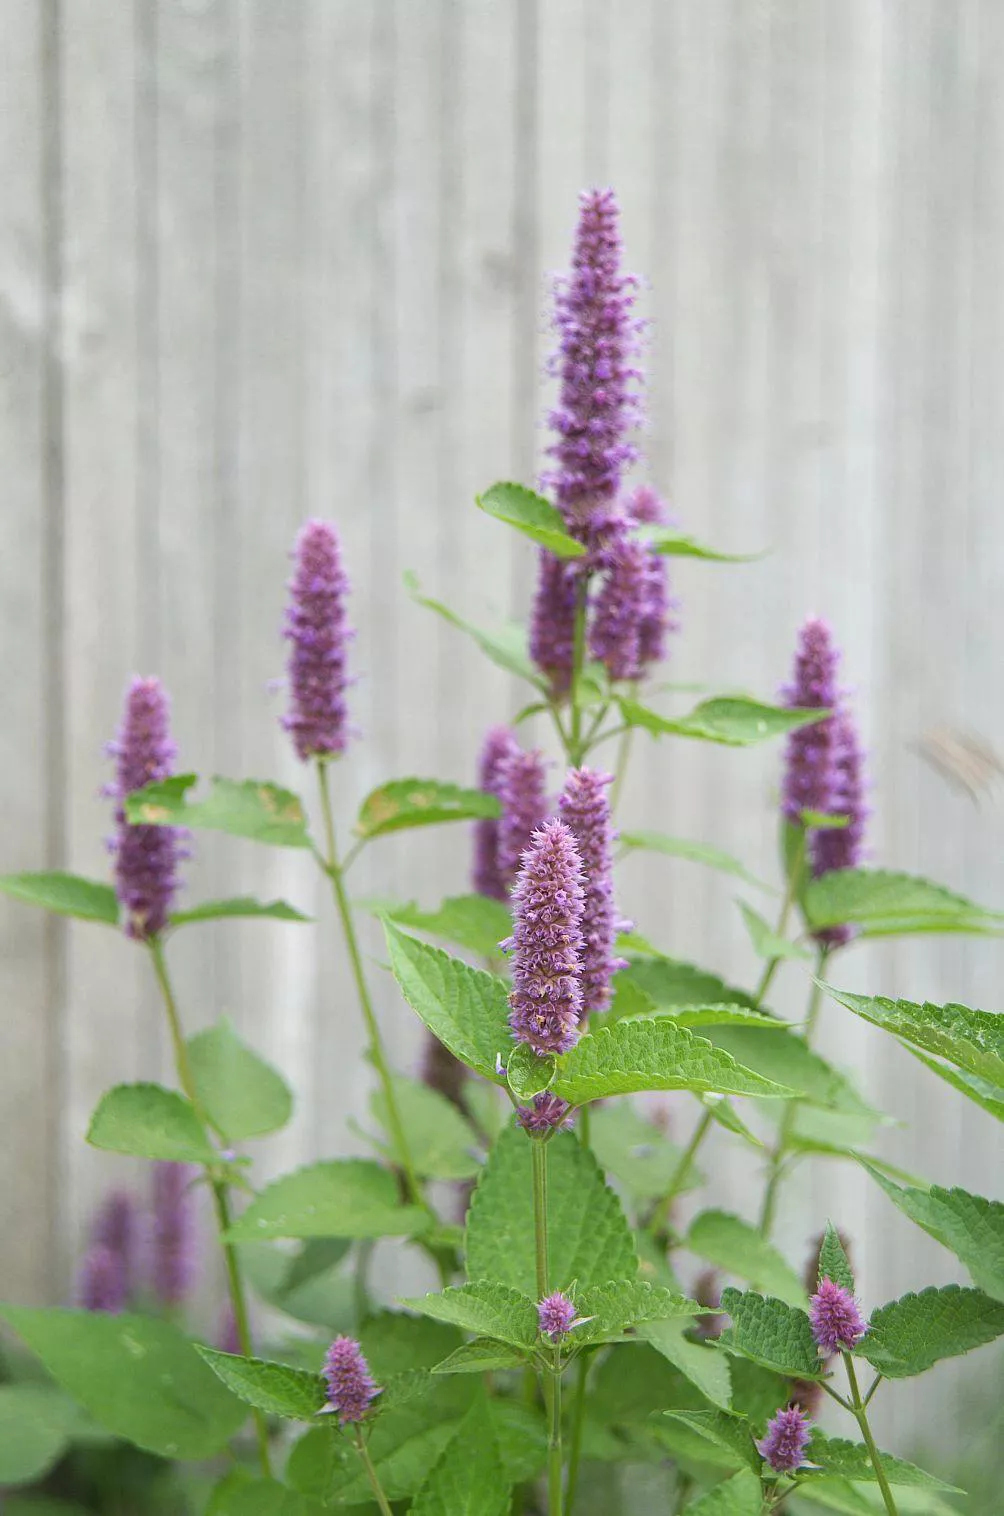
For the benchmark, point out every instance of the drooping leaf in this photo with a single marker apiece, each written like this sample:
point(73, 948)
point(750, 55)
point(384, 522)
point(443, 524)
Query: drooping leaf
point(988, 1096)
point(668, 542)
point(972, 1040)
point(850, 1460)
point(729, 1432)
point(442, 1142)
point(473, 922)
point(908, 1335)
point(347, 1197)
point(833, 1261)
point(467, 1009)
point(733, 720)
point(969, 1225)
point(485, 1308)
point(702, 1364)
point(404, 803)
point(35, 1426)
point(738, 1248)
point(637, 1152)
point(671, 983)
point(274, 1388)
point(138, 1377)
point(532, 515)
point(469, 1478)
point(769, 1332)
point(240, 906)
point(653, 1055)
point(884, 904)
point(251, 808)
point(696, 852)
point(241, 1094)
point(506, 646)
point(766, 943)
point(64, 894)
point(147, 1121)
point(738, 1496)
point(483, 1355)
point(726, 1115)
point(782, 1056)
point(590, 1240)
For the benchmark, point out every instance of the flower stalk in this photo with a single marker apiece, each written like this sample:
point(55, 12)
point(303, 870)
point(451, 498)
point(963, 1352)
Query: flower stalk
point(858, 1408)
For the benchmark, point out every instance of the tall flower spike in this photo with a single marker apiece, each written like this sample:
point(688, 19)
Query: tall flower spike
point(350, 1384)
point(172, 1239)
point(585, 810)
point(811, 778)
point(837, 1324)
point(598, 338)
point(522, 789)
point(552, 622)
point(646, 508)
point(101, 1285)
point(146, 857)
point(116, 1227)
point(488, 877)
point(619, 611)
point(317, 628)
point(546, 999)
point(842, 847)
point(786, 1440)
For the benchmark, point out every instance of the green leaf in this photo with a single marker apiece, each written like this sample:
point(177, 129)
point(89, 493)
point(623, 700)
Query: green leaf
point(770, 1333)
point(470, 921)
point(240, 906)
point(883, 904)
point(734, 720)
point(766, 943)
point(403, 803)
point(908, 1335)
point(589, 1237)
point(347, 1197)
point(137, 1376)
point(483, 1307)
point(738, 1496)
point(442, 1143)
point(274, 1388)
point(506, 647)
point(726, 1115)
point(782, 1056)
point(652, 1055)
point(833, 1261)
point(671, 983)
point(405, 1445)
point(738, 1248)
point(988, 1096)
point(532, 515)
point(527, 1074)
point(65, 895)
point(839, 1457)
point(35, 1426)
point(972, 1040)
point(702, 1364)
point(730, 1433)
point(469, 1479)
point(968, 1225)
point(249, 808)
point(241, 1094)
point(32, 1505)
point(668, 542)
point(482, 1355)
point(696, 852)
point(637, 1152)
point(240, 1494)
point(467, 1009)
point(611, 1308)
point(147, 1121)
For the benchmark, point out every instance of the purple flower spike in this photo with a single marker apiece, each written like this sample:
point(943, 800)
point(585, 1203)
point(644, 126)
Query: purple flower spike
point(843, 847)
point(585, 810)
point(102, 1282)
point(837, 1324)
point(811, 778)
point(786, 1440)
point(597, 339)
point(317, 628)
point(545, 1113)
point(173, 1241)
point(522, 789)
point(350, 1384)
point(619, 611)
point(146, 857)
point(552, 624)
point(488, 878)
point(645, 507)
point(556, 1316)
point(546, 999)
point(116, 1227)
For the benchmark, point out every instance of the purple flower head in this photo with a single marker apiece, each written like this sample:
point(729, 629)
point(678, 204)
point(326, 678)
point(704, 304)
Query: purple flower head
point(545, 1113)
point(552, 623)
point(522, 789)
point(116, 1227)
point(585, 809)
point(488, 878)
point(546, 999)
point(597, 339)
point(837, 1324)
point(843, 847)
point(317, 629)
point(619, 610)
point(146, 857)
point(811, 778)
point(172, 1237)
point(786, 1440)
point(556, 1316)
point(101, 1285)
point(645, 507)
point(350, 1384)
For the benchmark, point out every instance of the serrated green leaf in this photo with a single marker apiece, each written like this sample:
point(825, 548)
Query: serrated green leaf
point(612, 1308)
point(738, 1248)
point(467, 1009)
point(404, 1445)
point(671, 983)
point(835, 1495)
point(147, 1121)
point(769, 1332)
point(274, 1388)
point(240, 1494)
point(473, 922)
point(843, 1459)
point(532, 515)
point(702, 1364)
point(590, 1240)
point(968, 1225)
point(442, 1142)
point(483, 1307)
point(404, 803)
point(783, 1056)
point(766, 943)
point(506, 646)
point(637, 1152)
point(469, 1479)
point(726, 1115)
point(35, 1426)
point(241, 1094)
point(482, 1356)
point(833, 1261)
point(738, 1496)
point(251, 808)
point(908, 1335)
point(653, 1055)
point(733, 720)
point(138, 1377)
point(65, 895)
point(730, 1433)
point(348, 1197)
point(972, 1040)
point(521, 1438)
point(884, 904)
point(668, 542)
point(695, 852)
point(633, 1381)
point(527, 1074)
point(240, 906)
point(988, 1096)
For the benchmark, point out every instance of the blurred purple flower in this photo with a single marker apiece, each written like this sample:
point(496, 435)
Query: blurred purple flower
point(488, 877)
point(552, 623)
point(584, 807)
point(172, 1238)
point(146, 857)
point(522, 789)
point(101, 1284)
point(317, 628)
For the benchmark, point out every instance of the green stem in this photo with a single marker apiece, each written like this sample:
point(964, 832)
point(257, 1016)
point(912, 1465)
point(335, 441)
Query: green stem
point(371, 1475)
point(660, 1215)
point(221, 1203)
point(780, 1152)
point(620, 767)
point(861, 1417)
point(554, 1455)
point(538, 1152)
point(360, 1287)
point(578, 1421)
point(771, 967)
point(551, 1373)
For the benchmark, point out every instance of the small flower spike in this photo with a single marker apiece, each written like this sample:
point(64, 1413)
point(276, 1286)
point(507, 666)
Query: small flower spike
point(837, 1324)
point(350, 1384)
point(786, 1440)
point(556, 1316)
